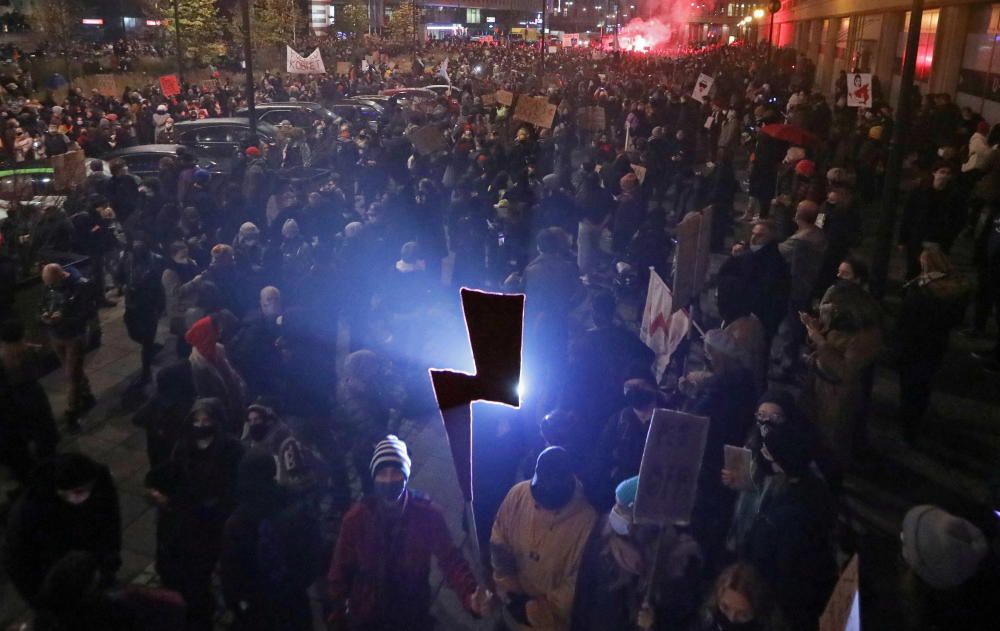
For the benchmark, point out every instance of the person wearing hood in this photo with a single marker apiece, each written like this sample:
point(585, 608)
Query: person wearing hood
point(537, 544)
point(195, 492)
point(71, 503)
point(162, 417)
point(789, 536)
point(633, 576)
point(271, 552)
point(630, 210)
point(253, 351)
point(378, 575)
point(179, 270)
point(297, 258)
point(248, 253)
point(140, 277)
point(213, 375)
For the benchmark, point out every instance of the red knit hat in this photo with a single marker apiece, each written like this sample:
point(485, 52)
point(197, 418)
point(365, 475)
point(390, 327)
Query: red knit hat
point(805, 168)
point(252, 152)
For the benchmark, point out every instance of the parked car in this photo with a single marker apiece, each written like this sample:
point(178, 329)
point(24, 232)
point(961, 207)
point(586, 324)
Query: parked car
point(299, 113)
point(360, 111)
point(144, 160)
point(222, 137)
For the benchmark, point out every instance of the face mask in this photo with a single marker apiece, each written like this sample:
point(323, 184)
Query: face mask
point(940, 153)
point(75, 498)
point(756, 247)
point(722, 623)
point(553, 496)
point(203, 432)
point(257, 432)
point(619, 523)
point(638, 399)
point(389, 492)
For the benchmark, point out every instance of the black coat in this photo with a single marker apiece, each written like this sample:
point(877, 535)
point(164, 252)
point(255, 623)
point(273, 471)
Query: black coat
point(43, 528)
point(767, 275)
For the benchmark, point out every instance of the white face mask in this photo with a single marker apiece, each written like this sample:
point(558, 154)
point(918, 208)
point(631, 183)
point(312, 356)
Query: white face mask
point(618, 522)
point(756, 246)
point(75, 498)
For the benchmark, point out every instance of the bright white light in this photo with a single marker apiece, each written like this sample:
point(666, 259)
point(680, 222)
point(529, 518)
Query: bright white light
point(520, 389)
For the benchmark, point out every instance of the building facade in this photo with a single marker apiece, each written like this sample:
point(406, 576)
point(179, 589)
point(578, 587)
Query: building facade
point(959, 51)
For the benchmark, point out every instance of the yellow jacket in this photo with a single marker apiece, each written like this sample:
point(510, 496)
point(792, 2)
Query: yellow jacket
point(537, 552)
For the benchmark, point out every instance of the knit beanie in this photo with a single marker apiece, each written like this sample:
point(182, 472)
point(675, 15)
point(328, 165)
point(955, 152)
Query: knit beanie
point(391, 451)
point(943, 550)
point(805, 168)
point(626, 491)
point(247, 230)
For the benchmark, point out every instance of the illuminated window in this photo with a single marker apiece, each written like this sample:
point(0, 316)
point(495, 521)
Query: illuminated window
point(925, 50)
point(472, 16)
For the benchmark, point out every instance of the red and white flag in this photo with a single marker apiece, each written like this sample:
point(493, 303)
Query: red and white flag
point(661, 330)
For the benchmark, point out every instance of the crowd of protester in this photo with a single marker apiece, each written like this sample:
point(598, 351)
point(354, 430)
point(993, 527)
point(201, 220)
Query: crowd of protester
point(266, 459)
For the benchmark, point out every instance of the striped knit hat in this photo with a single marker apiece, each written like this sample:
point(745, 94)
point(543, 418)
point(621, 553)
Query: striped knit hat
point(391, 451)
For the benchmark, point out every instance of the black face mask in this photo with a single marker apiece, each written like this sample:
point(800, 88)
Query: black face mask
point(258, 432)
point(203, 432)
point(553, 495)
point(722, 623)
point(638, 399)
point(389, 491)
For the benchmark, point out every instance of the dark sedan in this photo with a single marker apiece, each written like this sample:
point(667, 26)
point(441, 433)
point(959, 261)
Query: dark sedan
point(222, 137)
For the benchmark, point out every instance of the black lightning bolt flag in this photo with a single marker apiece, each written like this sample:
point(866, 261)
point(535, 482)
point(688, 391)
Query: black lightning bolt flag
point(495, 324)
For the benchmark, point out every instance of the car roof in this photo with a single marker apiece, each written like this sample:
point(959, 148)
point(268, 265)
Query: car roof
point(283, 105)
point(267, 128)
point(128, 151)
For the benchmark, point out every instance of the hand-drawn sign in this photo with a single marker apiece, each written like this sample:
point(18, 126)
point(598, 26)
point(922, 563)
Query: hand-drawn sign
point(671, 460)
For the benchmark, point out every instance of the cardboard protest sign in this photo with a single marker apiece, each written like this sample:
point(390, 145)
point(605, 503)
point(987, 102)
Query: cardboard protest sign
point(505, 98)
point(427, 139)
point(702, 258)
point(169, 85)
point(671, 460)
point(107, 85)
point(297, 64)
point(70, 170)
point(737, 461)
point(535, 110)
point(489, 100)
point(843, 610)
point(701, 87)
point(343, 67)
point(365, 65)
point(686, 258)
point(405, 66)
point(209, 85)
point(640, 172)
point(859, 89)
point(592, 118)
point(553, 50)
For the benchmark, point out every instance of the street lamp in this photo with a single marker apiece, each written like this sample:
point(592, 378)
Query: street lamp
point(180, 51)
point(248, 63)
point(758, 14)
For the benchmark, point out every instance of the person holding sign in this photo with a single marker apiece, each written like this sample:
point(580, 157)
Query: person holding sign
point(632, 576)
point(379, 573)
point(537, 543)
point(789, 539)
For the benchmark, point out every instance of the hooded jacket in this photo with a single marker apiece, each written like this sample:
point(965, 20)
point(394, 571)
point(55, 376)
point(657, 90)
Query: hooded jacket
point(213, 375)
point(537, 552)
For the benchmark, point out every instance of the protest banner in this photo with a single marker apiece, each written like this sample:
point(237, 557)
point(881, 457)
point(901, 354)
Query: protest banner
point(535, 110)
point(343, 67)
point(592, 118)
point(701, 87)
point(859, 89)
point(297, 64)
point(640, 172)
point(69, 171)
point(843, 610)
point(668, 474)
point(505, 98)
point(169, 85)
point(737, 461)
point(488, 99)
point(107, 85)
point(427, 139)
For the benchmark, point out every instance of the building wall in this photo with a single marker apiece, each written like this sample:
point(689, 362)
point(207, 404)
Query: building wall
point(959, 50)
